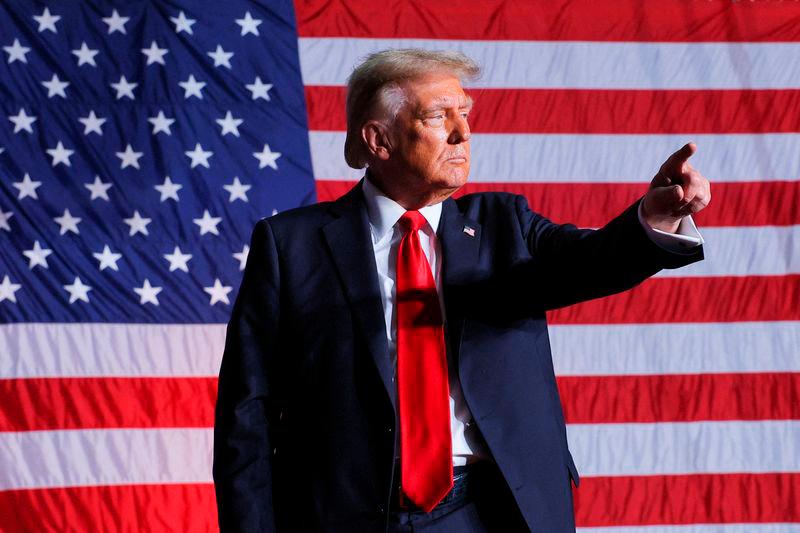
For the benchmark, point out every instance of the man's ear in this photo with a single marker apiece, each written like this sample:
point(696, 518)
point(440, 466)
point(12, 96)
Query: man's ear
point(376, 138)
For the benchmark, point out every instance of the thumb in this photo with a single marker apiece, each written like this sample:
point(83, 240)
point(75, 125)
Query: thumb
point(676, 192)
point(664, 200)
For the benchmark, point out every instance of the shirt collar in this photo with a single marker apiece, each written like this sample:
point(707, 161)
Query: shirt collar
point(384, 212)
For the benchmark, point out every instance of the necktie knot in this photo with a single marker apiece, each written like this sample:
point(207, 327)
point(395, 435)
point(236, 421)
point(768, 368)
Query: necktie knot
point(411, 221)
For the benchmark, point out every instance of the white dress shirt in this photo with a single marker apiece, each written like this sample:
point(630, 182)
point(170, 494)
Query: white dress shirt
point(383, 213)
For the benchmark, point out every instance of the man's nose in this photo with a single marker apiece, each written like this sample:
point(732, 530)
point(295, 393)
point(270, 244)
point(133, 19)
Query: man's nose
point(459, 131)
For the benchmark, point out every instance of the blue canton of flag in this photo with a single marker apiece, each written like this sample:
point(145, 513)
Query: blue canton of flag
point(140, 143)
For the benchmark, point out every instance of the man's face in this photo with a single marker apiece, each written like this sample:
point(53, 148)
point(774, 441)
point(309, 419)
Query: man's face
point(431, 135)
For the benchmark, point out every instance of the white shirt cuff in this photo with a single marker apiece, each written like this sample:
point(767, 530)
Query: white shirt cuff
point(683, 241)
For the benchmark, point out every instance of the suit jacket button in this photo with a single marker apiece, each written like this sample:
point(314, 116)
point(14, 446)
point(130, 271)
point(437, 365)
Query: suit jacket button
point(381, 509)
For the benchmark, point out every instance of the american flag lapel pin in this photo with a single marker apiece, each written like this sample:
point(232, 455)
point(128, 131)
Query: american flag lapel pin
point(469, 230)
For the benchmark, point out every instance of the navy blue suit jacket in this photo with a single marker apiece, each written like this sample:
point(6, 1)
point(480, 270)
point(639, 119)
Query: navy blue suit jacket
point(305, 418)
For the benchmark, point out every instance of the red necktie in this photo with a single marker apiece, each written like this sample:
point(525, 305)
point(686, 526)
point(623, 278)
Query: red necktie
point(426, 456)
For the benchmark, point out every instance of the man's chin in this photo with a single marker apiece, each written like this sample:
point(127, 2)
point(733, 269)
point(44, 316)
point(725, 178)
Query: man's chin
point(449, 186)
point(457, 179)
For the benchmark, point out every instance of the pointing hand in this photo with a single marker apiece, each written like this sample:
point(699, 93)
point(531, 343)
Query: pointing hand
point(677, 190)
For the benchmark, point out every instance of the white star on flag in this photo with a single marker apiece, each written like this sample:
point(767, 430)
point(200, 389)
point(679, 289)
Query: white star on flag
point(68, 223)
point(98, 189)
point(37, 256)
point(47, 21)
point(221, 57)
point(78, 291)
point(192, 87)
point(7, 290)
point(85, 55)
point(129, 157)
point(22, 121)
point(168, 189)
point(60, 154)
point(199, 156)
point(56, 87)
point(177, 260)
point(207, 223)
point(230, 124)
point(242, 256)
point(27, 187)
point(147, 293)
point(160, 122)
point(155, 54)
point(237, 190)
point(267, 158)
point(259, 89)
point(138, 224)
point(218, 292)
point(182, 23)
point(92, 123)
point(124, 88)
point(16, 52)
point(116, 22)
point(249, 24)
point(4, 216)
point(107, 258)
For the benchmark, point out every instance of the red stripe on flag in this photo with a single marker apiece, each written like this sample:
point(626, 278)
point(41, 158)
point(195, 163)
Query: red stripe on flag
point(77, 403)
point(600, 501)
point(602, 111)
point(108, 402)
point(71, 403)
point(707, 299)
point(688, 499)
point(591, 205)
point(179, 507)
point(568, 20)
point(680, 398)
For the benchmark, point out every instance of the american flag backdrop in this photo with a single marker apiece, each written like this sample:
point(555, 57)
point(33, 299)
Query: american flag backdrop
point(140, 142)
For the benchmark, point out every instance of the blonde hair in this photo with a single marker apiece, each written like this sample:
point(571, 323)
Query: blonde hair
point(374, 88)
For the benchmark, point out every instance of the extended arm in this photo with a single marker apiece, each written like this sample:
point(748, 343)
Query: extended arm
point(580, 264)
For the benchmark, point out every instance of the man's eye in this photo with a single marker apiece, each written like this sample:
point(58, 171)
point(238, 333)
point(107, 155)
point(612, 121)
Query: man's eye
point(435, 119)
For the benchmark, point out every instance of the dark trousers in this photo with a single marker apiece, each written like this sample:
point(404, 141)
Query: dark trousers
point(489, 507)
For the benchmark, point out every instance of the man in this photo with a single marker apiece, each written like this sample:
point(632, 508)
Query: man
point(387, 366)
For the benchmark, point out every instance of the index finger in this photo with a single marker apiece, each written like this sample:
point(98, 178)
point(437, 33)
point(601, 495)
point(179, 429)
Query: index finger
point(677, 159)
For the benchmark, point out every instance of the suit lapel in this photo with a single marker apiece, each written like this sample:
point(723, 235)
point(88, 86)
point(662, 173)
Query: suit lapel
point(350, 244)
point(461, 240)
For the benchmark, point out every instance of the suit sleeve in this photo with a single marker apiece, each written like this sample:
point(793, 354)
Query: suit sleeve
point(575, 264)
point(246, 410)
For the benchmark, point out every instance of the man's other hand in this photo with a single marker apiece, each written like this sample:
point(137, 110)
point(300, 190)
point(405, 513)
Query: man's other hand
point(676, 191)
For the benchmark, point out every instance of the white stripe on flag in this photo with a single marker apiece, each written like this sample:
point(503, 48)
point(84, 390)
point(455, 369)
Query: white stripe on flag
point(94, 349)
point(745, 251)
point(38, 459)
point(106, 350)
point(685, 447)
point(572, 158)
point(650, 349)
point(580, 65)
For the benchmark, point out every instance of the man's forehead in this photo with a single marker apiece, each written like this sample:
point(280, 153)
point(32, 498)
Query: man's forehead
point(437, 91)
point(460, 100)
